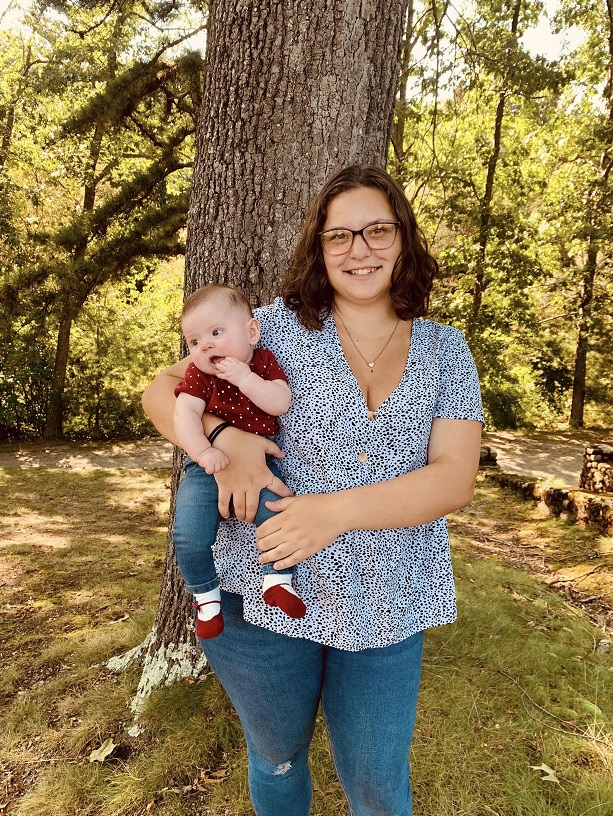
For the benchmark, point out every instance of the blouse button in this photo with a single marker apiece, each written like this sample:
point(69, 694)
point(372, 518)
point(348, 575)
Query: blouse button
point(371, 415)
point(362, 457)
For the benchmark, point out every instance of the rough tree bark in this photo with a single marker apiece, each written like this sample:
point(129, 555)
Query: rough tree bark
point(292, 92)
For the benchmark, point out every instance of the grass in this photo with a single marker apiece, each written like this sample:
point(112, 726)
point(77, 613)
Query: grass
point(515, 684)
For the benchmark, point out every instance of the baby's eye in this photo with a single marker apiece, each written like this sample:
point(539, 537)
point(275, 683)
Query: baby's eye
point(194, 342)
point(216, 332)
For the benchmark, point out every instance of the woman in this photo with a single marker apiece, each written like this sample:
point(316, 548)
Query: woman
point(381, 440)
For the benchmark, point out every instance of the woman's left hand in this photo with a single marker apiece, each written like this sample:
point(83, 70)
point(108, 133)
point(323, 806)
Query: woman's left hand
point(303, 526)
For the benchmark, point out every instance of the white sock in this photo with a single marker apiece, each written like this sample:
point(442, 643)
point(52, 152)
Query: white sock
point(274, 579)
point(211, 609)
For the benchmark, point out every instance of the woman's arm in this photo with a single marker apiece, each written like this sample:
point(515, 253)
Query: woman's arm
point(159, 399)
point(309, 523)
point(241, 481)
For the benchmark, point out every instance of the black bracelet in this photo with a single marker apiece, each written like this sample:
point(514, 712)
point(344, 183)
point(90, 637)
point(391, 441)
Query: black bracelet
point(216, 431)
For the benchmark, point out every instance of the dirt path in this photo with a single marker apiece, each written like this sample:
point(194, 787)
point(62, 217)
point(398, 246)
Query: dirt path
point(543, 455)
point(145, 453)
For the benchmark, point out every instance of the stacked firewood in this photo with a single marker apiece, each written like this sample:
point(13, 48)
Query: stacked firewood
point(597, 472)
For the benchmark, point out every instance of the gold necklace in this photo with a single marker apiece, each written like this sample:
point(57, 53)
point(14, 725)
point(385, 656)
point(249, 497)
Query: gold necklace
point(371, 363)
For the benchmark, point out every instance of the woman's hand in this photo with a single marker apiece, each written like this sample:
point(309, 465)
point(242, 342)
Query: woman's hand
point(303, 526)
point(241, 481)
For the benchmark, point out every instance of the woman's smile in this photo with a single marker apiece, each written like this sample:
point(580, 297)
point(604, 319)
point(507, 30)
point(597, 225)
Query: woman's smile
point(362, 271)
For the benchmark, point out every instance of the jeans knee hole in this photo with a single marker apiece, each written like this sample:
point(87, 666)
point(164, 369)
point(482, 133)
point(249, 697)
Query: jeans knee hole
point(278, 766)
point(283, 768)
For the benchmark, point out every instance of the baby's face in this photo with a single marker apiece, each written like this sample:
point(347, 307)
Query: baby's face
point(217, 329)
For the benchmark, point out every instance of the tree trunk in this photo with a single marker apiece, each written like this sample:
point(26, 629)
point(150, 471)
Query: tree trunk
point(292, 92)
point(583, 336)
point(170, 652)
point(481, 280)
point(55, 410)
point(591, 267)
point(54, 421)
point(400, 118)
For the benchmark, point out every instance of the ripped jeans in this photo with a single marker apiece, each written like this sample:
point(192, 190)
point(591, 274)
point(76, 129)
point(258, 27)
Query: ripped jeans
point(368, 700)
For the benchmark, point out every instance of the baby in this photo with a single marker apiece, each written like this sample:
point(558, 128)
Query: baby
point(246, 388)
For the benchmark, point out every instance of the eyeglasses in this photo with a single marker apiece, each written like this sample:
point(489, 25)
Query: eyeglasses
point(375, 236)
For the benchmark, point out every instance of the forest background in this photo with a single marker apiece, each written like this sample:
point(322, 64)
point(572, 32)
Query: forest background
point(504, 153)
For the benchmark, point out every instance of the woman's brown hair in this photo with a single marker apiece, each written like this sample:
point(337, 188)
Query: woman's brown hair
point(306, 289)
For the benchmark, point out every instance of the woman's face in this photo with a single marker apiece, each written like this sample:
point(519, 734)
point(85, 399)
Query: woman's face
point(361, 275)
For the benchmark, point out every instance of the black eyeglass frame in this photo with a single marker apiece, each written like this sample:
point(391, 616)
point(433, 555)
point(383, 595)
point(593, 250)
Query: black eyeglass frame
point(359, 232)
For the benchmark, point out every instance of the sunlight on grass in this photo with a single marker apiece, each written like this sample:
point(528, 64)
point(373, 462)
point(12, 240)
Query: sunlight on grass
point(510, 672)
point(515, 684)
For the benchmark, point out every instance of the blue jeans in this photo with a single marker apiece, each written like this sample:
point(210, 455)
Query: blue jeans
point(368, 699)
point(197, 521)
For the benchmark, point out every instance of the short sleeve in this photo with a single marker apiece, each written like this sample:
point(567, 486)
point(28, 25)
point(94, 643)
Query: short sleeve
point(459, 395)
point(195, 383)
point(271, 318)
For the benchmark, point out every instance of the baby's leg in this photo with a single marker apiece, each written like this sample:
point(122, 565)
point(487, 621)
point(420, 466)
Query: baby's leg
point(277, 584)
point(194, 532)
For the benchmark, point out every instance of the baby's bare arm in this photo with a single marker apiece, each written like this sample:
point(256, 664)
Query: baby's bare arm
point(272, 396)
point(190, 435)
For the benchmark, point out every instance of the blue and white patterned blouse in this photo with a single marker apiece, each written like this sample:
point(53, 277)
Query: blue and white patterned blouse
point(369, 588)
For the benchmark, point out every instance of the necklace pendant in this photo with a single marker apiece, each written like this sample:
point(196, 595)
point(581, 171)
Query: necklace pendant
point(370, 364)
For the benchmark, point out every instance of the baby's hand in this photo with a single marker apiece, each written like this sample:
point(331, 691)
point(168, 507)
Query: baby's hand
point(213, 460)
point(232, 370)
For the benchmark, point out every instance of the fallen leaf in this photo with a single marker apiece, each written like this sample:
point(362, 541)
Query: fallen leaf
point(550, 774)
point(105, 750)
point(207, 776)
point(219, 774)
